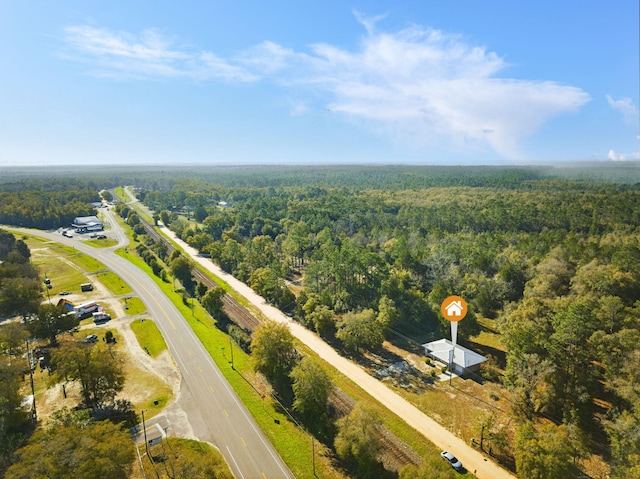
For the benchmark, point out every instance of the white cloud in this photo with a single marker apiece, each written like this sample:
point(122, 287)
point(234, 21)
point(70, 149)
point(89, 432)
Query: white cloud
point(613, 156)
point(626, 107)
point(147, 55)
point(419, 85)
point(367, 22)
point(433, 88)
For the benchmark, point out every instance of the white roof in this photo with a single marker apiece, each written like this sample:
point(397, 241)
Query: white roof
point(462, 356)
point(86, 220)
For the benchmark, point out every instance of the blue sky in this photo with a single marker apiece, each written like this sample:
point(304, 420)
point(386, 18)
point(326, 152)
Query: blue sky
point(251, 82)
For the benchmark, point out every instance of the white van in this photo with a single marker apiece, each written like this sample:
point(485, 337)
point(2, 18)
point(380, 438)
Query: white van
point(101, 316)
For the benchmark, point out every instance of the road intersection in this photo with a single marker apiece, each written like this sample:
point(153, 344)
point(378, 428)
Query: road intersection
point(212, 407)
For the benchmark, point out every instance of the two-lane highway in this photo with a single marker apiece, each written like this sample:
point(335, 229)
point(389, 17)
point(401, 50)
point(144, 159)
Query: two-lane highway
point(216, 414)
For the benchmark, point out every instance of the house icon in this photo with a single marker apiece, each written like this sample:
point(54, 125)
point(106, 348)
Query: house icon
point(454, 308)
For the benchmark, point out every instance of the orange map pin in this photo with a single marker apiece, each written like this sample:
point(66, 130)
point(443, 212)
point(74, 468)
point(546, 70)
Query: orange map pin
point(454, 308)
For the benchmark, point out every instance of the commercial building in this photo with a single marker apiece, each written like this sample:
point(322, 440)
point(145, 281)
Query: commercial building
point(82, 224)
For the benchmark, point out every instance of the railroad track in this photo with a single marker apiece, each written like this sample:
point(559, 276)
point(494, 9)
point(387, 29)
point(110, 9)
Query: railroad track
point(234, 310)
point(395, 451)
point(239, 314)
point(341, 403)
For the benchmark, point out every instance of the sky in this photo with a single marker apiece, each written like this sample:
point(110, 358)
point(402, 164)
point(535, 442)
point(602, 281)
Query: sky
point(465, 82)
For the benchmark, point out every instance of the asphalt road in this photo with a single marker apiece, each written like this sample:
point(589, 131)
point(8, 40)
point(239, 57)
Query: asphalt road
point(213, 409)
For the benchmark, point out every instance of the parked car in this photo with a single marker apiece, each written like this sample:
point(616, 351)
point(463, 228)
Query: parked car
point(451, 459)
point(64, 293)
point(92, 338)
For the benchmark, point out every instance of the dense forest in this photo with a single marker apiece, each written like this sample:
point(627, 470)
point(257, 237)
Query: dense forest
point(46, 204)
point(555, 263)
point(552, 261)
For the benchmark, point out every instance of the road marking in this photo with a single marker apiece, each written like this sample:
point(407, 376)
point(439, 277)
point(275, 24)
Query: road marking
point(234, 461)
point(212, 390)
point(157, 302)
point(264, 475)
point(225, 411)
point(244, 443)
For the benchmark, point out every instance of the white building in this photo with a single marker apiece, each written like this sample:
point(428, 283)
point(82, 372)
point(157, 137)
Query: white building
point(464, 360)
point(83, 224)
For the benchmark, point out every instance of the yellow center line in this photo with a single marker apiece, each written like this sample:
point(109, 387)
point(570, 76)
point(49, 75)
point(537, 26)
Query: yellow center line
point(243, 441)
point(225, 411)
point(212, 390)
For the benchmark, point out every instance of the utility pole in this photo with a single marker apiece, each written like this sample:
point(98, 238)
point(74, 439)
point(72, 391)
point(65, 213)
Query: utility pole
point(451, 353)
point(34, 414)
point(313, 455)
point(231, 349)
point(144, 428)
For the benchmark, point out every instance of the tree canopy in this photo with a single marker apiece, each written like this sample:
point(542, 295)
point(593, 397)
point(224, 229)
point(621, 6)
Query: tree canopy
point(101, 449)
point(97, 368)
point(50, 321)
point(274, 354)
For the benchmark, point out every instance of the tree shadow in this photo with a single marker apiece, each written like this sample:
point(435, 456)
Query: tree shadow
point(499, 355)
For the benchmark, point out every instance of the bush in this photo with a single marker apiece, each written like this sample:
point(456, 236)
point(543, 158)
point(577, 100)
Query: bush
point(242, 339)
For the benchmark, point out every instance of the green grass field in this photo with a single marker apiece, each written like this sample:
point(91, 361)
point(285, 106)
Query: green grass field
point(133, 306)
point(149, 336)
point(62, 265)
point(101, 243)
point(114, 283)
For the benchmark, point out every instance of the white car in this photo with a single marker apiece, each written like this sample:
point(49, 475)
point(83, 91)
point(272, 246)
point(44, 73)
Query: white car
point(453, 460)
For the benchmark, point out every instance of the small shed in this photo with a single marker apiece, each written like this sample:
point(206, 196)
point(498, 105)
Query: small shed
point(464, 360)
